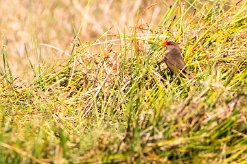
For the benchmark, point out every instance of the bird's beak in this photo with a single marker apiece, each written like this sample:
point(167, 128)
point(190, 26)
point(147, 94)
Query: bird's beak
point(165, 44)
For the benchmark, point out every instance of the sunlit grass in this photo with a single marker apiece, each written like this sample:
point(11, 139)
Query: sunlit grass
point(114, 105)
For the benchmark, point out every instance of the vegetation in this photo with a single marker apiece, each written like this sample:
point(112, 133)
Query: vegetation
point(117, 106)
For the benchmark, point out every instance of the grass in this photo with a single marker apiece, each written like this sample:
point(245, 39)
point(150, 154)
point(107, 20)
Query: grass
point(115, 106)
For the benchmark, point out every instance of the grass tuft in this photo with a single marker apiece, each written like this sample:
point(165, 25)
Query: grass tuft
point(114, 105)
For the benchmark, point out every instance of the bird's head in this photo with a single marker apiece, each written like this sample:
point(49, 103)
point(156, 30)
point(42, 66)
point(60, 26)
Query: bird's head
point(170, 45)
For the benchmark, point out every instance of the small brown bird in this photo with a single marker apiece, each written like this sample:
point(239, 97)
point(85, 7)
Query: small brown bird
point(174, 59)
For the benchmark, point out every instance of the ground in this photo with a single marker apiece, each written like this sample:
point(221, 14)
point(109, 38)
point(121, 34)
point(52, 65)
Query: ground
point(79, 82)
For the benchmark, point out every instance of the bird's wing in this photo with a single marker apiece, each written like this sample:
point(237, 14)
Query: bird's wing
point(170, 64)
point(175, 62)
point(180, 63)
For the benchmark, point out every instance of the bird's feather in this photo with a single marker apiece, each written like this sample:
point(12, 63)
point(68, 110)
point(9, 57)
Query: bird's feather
point(174, 61)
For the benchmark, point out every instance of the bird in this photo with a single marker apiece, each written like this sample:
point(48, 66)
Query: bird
point(174, 59)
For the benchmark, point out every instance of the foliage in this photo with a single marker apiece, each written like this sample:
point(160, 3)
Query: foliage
point(117, 106)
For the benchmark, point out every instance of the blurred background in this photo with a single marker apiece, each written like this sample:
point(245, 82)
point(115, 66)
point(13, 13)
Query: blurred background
point(44, 30)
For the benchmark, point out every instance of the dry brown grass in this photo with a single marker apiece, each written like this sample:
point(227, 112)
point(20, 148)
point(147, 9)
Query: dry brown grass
point(106, 101)
point(47, 28)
